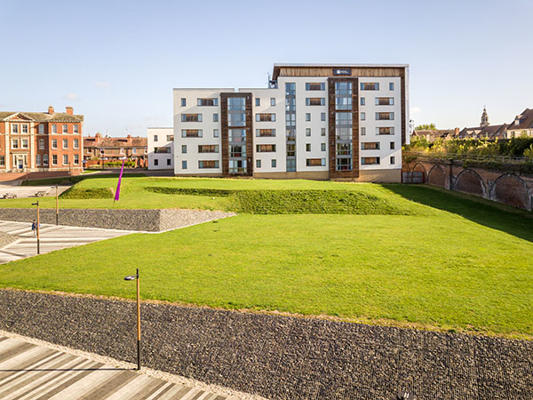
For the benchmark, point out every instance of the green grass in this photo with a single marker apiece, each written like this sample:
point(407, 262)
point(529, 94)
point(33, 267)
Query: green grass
point(448, 261)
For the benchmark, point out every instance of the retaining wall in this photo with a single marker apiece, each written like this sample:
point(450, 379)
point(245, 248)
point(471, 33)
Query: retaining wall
point(151, 220)
point(280, 357)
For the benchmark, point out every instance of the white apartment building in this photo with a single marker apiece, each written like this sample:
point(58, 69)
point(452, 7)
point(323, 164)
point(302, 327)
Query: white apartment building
point(315, 121)
point(160, 148)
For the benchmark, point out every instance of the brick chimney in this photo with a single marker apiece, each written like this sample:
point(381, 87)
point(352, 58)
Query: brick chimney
point(69, 110)
point(50, 110)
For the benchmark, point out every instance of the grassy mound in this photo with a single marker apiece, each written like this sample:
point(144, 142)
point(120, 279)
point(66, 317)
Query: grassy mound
point(90, 193)
point(190, 191)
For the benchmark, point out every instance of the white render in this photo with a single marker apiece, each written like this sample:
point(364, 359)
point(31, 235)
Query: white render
point(315, 146)
point(158, 138)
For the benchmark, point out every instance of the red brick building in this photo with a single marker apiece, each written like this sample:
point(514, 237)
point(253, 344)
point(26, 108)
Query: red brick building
point(100, 148)
point(41, 141)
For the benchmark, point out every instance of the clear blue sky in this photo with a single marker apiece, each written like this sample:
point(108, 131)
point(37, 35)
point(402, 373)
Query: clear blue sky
point(116, 62)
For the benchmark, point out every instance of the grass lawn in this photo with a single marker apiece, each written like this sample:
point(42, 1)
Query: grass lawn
point(452, 262)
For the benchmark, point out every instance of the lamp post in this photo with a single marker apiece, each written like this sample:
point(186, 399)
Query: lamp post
point(137, 278)
point(37, 227)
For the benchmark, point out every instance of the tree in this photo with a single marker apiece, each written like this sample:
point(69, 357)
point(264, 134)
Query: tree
point(426, 127)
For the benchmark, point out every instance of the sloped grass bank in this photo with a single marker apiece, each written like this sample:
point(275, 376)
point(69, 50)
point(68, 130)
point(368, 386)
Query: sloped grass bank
point(88, 193)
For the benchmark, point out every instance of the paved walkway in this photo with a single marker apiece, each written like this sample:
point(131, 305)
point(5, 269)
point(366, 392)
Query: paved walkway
point(52, 237)
point(36, 372)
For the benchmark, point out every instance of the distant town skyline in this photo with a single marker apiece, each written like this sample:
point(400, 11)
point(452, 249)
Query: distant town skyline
point(117, 64)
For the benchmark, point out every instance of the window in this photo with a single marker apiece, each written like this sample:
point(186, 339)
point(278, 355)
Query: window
point(363, 116)
point(307, 131)
point(168, 162)
point(41, 128)
point(369, 160)
point(343, 125)
point(183, 149)
point(170, 138)
point(208, 148)
point(291, 150)
point(156, 162)
point(315, 101)
point(273, 163)
point(369, 145)
point(369, 86)
point(14, 128)
point(385, 130)
point(308, 116)
point(392, 160)
point(215, 133)
point(156, 138)
point(2, 161)
point(265, 148)
point(41, 144)
point(24, 143)
point(257, 101)
point(272, 101)
point(76, 159)
point(308, 147)
point(54, 144)
point(133, 150)
point(384, 116)
point(76, 144)
point(322, 131)
point(362, 101)
point(315, 162)
point(343, 95)
point(45, 159)
point(384, 101)
point(65, 143)
point(14, 143)
point(265, 132)
point(344, 164)
point(363, 131)
point(391, 85)
point(65, 159)
point(265, 117)
point(38, 159)
point(322, 116)
point(191, 133)
point(191, 117)
point(392, 145)
point(207, 102)
point(184, 164)
point(344, 149)
point(24, 128)
point(183, 101)
point(237, 119)
point(76, 128)
point(208, 164)
point(215, 117)
point(65, 128)
point(54, 159)
point(54, 128)
point(322, 146)
point(162, 150)
point(258, 163)
point(315, 86)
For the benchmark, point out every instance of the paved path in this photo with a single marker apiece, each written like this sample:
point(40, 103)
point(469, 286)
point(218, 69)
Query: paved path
point(52, 237)
point(30, 191)
point(36, 372)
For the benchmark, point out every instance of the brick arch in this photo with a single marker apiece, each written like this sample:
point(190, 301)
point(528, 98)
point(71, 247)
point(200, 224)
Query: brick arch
point(437, 176)
point(419, 167)
point(469, 181)
point(510, 189)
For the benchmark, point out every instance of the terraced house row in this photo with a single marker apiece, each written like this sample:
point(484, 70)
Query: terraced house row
point(41, 141)
point(313, 121)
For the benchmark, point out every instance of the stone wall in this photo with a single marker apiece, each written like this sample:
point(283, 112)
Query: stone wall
point(280, 357)
point(151, 220)
point(510, 188)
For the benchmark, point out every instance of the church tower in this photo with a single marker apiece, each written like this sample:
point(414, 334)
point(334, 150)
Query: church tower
point(484, 118)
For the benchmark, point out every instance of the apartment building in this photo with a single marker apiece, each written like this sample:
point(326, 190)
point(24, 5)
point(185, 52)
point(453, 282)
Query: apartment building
point(41, 141)
point(313, 121)
point(160, 148)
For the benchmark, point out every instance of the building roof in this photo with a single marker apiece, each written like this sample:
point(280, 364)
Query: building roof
point(109, 142)
point(308, 68)
point(435, 133)
point(490, 131)
point(523, 120)
point(42, 116)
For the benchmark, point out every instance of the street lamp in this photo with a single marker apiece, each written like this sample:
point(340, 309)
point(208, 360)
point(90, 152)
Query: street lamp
point(137, 278)
point(37, 227)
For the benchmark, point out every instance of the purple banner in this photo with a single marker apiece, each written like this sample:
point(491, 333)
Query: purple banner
point(117, 193)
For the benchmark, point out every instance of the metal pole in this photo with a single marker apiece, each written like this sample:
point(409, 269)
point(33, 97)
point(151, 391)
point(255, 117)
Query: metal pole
point(57, 206)
point(38, 223)
point(138, 322)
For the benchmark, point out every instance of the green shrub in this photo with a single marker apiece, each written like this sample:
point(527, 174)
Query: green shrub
point(92, 193)
point(190, 191)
